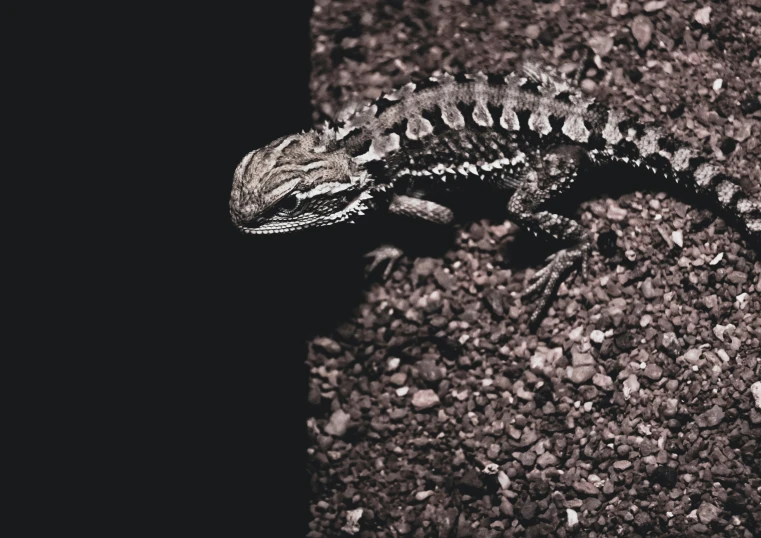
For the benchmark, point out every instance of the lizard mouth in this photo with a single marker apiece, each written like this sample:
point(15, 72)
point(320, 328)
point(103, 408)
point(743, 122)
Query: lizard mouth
point(271, 229)
point(259, 226)
point(268, 228)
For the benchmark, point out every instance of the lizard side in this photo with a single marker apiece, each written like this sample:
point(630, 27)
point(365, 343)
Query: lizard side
point(533, 134)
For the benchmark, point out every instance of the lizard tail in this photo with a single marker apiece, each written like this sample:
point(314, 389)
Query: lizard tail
point(710, 182)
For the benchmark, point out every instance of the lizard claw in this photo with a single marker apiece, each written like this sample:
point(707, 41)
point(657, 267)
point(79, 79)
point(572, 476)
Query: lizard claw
point(382, 254)
point(551, 275)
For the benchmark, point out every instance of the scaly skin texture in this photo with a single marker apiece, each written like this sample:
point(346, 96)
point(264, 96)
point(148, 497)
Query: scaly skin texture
point(532, 134)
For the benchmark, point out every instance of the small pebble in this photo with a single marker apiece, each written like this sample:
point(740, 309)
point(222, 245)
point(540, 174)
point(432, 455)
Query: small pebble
point(528, 510)
point(547, 460)
point(398, 379)
point(582, 486)
point(631, 386)
point(653, 371)
point(338, 423)
point(597, 336)
point(603, 381)
point(580, 374)
point(755, 390)
point(719, 330)
point(671, 407)
point(423, 495)
point(352, 521)
point(425, 266)
point(648, 291)
point(532, 31)
point(619, 8)
point(707, 512)
point(710, 418)
point(693, 355)
point(670, 344)
point(430, 371)
point(425, 399)
point(573, 517)
point(616, 213)
point(503, 479)
point(444, 278)
point(655, 5)
point(703, 16)
point(528, 458)
point(601, 44)
point(588, 86)
point(642, 30)
point(677, 237)
point(328, 345)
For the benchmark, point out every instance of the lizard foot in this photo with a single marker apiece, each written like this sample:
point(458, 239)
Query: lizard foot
point(384, 253)
point(550, 276)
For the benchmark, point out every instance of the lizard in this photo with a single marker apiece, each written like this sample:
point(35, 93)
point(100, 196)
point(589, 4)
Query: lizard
point(532, 134)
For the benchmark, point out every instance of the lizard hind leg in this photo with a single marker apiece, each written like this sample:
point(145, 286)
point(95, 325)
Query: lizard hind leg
point(562, 263)
point(558, 169)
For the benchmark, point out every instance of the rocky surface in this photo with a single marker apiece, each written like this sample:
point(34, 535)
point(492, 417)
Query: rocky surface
point(634, 408)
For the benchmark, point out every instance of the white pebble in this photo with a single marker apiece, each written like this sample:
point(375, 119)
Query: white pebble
point(755, 389)
point(717, 259)
point(401, 391)
point(352, 521)
point(719, 330)
point(631, 386)
point(573, 517)
point(576, 333)
point(597, 336)
point(703, 16)
point(393, 363)
point(717, 85)
point(504, 480)
point(423, 495)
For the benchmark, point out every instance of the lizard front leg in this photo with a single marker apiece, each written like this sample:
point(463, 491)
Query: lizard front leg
point(420, 209)
point(557, 170)
point(409, 207)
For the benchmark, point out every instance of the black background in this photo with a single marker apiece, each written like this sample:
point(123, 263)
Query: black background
point(231, 430)
point(174, 399)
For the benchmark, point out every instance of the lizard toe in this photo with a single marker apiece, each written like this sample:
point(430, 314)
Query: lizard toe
point(384, 253)
point(550, 276)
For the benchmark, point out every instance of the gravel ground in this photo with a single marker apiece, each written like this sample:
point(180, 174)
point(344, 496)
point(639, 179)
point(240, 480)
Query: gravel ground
point(434, 411)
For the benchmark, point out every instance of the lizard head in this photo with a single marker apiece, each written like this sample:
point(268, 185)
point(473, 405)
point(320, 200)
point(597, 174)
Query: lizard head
point(296, 182)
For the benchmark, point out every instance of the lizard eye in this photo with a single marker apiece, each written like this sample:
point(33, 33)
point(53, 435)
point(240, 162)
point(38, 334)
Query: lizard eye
point(290, 203)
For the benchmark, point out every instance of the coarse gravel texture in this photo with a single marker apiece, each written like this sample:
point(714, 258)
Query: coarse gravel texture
point(435, 411)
